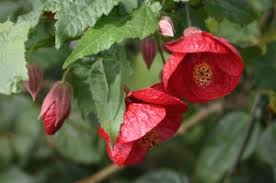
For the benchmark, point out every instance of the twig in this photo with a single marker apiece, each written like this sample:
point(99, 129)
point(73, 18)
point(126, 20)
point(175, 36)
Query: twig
point(202, 114)
point(255, 114)
point(102, 174)
point(199, 116)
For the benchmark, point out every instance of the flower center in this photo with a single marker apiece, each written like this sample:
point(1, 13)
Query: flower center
point(151, 139)
point(202, 74)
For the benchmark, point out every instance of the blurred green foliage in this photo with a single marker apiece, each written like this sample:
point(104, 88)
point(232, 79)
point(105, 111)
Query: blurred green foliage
point(202, 155)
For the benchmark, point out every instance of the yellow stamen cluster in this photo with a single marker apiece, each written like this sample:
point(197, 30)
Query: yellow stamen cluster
point(151, 139)
point(202, 74)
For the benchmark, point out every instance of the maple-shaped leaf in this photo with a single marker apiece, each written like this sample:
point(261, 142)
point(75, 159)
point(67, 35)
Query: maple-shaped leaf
point(73, 17)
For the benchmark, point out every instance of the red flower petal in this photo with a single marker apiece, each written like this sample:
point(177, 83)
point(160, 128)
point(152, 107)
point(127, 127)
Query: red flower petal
point(49, 119)
point(137, 154)
point(155, 96)
point(231, 63)
point(120, 152)
point(140, 119)
point(169, 126)
point(170, 67)
point(196, 42)
point(173, 77)
point(49, 99)
point(221, 85)
point(63, 102)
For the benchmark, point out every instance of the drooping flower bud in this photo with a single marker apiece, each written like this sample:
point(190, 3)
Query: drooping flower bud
point(33, 85)
point(56, 107)
point(166, 27)
point(148, 49)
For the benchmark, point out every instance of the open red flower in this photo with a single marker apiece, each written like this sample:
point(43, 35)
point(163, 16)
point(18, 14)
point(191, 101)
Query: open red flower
point(151, 117)
point(202, 67)
point(56, 107)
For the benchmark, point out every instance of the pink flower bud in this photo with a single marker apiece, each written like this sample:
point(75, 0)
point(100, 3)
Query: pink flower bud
point(148, 49)
point(166, 27)
point(33, 85)
point(56, 107)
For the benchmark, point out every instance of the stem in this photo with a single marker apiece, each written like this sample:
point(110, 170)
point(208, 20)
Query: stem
point(199, 116)
point(160, 49)
point(65, 75)
point(188, 17)
point(255, 115)
point(102, 174)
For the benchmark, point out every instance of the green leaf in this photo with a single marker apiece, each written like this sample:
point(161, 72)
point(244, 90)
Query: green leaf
point(106, 86)
point(129, 5)
point(142, 77)
point(14, 175)
point(162, 176)
point(235, 10)
point(8, 10)
point(34, 15)
point(267, 145)
point(80, 75)
point(73, 17)
point(12, 57)
point(78, 141)
point(266, 64)
point(141, 23)
point(243, 36)
point(221, 148)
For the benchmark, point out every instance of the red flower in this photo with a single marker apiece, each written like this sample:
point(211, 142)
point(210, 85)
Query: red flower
point(33, 85)
point(151, 117)
point(56, 107)
point(148, 48)
point(202, 67)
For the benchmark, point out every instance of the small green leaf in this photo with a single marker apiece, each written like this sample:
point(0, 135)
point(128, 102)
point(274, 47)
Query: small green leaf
point(73, 17)
point(221, 148)
point(162, 176)
point(12, 55)
point(141, 23)
point(235, 10)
